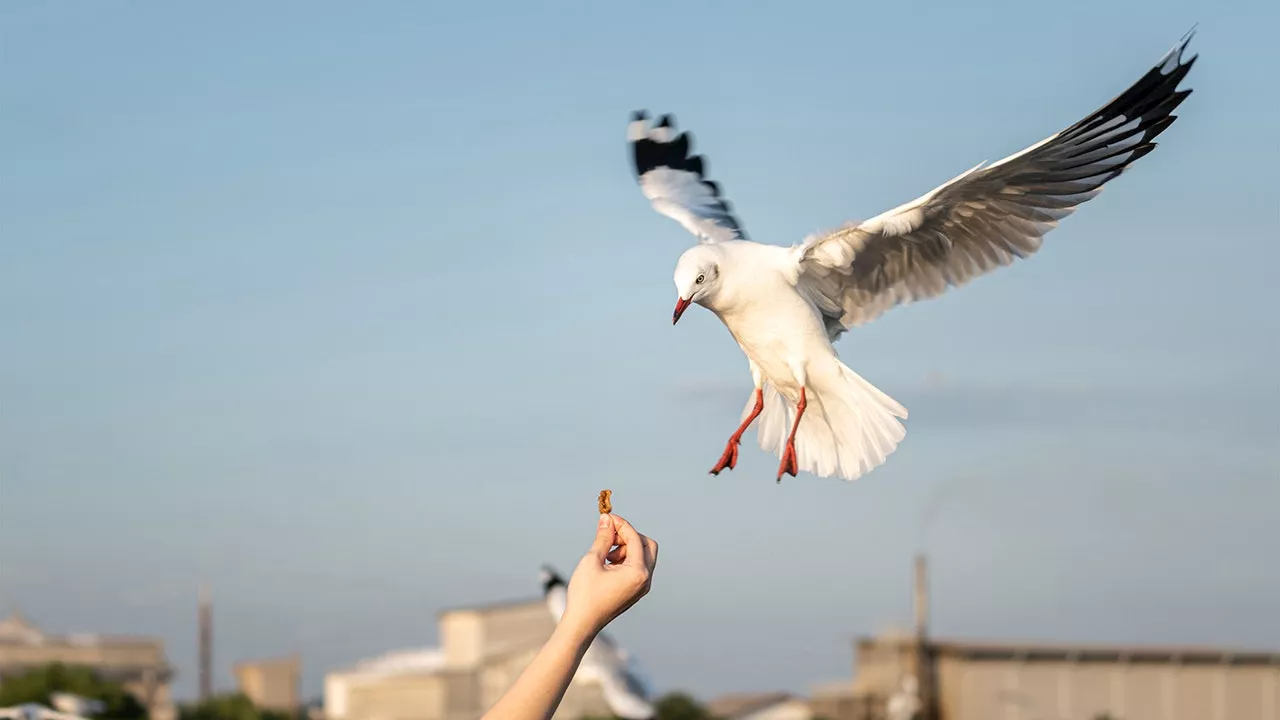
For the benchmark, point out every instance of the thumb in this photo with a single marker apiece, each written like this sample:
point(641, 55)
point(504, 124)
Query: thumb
point(604, 537)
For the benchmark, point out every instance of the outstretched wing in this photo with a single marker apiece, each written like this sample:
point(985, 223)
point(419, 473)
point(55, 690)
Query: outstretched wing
point(675, 181)
point(987, 217)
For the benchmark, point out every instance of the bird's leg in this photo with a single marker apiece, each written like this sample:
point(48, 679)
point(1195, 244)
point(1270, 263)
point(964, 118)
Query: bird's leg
point(789, 464)
point(730, 457)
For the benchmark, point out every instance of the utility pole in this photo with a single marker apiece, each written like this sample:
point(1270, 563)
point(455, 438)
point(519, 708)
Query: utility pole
point(206, 643)
point(920, 597)
point(924, 669)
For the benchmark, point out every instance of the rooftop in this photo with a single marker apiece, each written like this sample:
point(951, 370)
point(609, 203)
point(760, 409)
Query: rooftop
point(1051, 652)
point(399, 662)
point(17, 630)
point(731, 706)
point(493, 607)
point(286, 662)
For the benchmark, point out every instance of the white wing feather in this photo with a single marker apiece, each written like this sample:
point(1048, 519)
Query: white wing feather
point(988, 216)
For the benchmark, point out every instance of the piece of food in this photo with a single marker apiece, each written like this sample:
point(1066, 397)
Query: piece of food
point(605, 503)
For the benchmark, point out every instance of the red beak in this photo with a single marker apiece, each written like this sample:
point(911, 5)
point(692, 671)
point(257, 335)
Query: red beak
point(681, 305)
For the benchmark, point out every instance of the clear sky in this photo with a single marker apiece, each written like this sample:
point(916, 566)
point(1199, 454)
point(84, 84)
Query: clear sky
point(351, 309)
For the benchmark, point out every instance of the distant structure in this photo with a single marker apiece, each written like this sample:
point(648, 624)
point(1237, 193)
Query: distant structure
point(272, 684)
point(920, 596)
point(205, 642)
point(483, 650)
point(760, 706)
point(136, 663)
point(959, 680)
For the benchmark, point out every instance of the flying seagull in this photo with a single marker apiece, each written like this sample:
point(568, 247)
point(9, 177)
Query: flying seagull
point(785, 306)
point(625, 690)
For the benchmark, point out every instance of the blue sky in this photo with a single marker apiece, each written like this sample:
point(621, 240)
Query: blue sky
point(350, 312)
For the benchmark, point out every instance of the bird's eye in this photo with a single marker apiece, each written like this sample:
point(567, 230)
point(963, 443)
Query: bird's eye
point(700, 279)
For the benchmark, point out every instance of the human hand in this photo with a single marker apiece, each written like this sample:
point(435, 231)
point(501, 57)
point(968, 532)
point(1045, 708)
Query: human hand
point(608, 582)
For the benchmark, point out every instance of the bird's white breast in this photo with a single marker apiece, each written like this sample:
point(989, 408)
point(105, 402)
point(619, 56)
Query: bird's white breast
point(776, 328)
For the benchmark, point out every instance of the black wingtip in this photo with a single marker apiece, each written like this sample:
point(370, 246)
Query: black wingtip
point(1189, 34)
point(1186, 40)
point(553, 578)
point(660, 146)
point(1180, 48)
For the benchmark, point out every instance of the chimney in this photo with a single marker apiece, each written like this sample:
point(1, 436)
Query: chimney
point(920, 597)
point(206, 643)
point(923, 654)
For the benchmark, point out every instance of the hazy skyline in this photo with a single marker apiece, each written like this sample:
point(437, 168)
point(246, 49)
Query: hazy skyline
point(351, 312)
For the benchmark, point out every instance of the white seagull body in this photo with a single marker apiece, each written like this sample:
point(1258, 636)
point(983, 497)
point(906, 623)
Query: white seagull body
point(786, 306)
point(625, 689)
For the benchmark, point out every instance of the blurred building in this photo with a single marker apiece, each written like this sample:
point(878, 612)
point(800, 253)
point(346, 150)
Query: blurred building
point(482, 652)
point(764, 706)
point(273, 684)
point(137, 663)
point(958, 680)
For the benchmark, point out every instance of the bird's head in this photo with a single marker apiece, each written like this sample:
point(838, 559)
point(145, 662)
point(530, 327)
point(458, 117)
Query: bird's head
point(697, 278)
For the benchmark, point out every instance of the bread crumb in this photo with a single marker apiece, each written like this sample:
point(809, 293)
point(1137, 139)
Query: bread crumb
point(605, 503)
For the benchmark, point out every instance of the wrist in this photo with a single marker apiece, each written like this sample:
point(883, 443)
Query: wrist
point(576, 628)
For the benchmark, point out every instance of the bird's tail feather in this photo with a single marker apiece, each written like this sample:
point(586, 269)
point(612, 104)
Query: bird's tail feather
point(848, 429)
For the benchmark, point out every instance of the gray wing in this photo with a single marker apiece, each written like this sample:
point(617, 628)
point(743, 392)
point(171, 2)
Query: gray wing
point(675, 180)
point(987, 217)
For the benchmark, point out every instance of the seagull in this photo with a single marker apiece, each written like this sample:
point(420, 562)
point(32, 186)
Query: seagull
point(625, 689)
point(786, 306)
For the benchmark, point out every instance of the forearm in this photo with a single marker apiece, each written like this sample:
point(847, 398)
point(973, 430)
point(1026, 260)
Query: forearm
point(537, 692)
